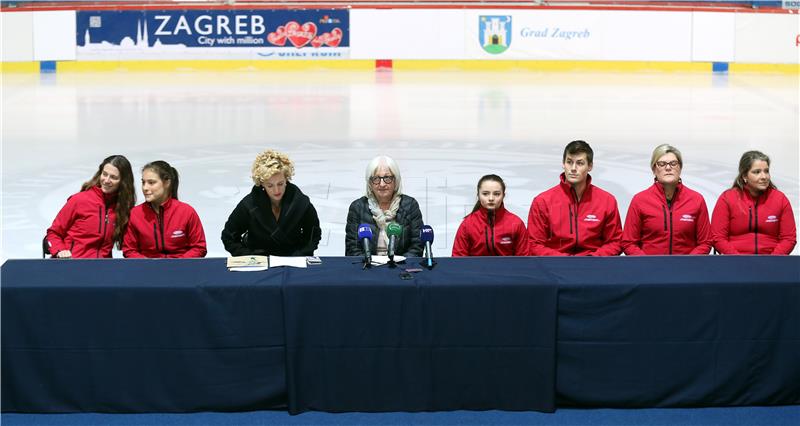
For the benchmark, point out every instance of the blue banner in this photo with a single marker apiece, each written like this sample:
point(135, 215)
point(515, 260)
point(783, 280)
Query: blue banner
point(186, 30)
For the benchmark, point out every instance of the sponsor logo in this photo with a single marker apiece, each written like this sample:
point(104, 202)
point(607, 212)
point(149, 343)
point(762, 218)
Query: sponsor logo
point(494, 33)
point(505, 240)
point(687, 218)
point(177, 234)
point(772, 218)
point(328, 20)
point(791, 4)
point(591, 218)
point(305, 34)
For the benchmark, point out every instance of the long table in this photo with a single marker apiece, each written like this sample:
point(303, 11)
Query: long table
point(155, 335)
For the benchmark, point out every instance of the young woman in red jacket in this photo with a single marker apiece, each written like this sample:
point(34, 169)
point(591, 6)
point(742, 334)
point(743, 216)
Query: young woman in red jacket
point(491, 230)
point(753, 217)
point(162, 226)
point(96, 218)
point(668, 217)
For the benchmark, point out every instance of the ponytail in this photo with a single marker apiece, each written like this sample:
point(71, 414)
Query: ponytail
point(165, 172)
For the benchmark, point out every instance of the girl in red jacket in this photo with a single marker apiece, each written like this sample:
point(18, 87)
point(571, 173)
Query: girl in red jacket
point(667, 218)
point(162, 226)
point(491, 230)
point(96, 218)
point(753, 217)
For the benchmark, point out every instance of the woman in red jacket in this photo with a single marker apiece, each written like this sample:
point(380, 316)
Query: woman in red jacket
point(162, 226)
point(96, 218)
point(668, 217)
point(753, 217)
point(491, 230)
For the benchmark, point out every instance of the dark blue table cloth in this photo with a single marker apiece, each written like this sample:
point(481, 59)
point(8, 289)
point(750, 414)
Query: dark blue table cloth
point(678, 331)
point(184, 335)
point(136, 335)
point(470, 334)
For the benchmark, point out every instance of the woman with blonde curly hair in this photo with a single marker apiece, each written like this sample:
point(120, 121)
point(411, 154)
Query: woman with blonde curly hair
point(275, 218)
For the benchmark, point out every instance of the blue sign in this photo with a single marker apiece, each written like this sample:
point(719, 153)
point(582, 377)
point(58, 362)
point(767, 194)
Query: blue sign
point(297, 29)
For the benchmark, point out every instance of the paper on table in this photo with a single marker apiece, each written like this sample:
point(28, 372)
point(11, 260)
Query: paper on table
point(247, 263)
point(293, 261)
point(248, 268)
point(382, 260)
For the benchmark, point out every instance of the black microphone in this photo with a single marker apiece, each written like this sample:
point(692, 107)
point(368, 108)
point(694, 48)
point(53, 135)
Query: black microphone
point(426, 236)
point(365, 235)
point(393, 230)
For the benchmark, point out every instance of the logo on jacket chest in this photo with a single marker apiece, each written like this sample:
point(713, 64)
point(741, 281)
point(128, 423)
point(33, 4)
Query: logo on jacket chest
point(505, 240)
point(591, 218)
point(772, 218)
point(687, 218)
point(177, 234)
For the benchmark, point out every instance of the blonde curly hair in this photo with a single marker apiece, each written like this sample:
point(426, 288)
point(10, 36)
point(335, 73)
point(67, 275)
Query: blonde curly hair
point(268, 163)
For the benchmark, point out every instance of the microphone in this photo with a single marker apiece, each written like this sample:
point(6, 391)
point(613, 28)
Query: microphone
point(365, 235)
point(393, 230)
point(426, 236)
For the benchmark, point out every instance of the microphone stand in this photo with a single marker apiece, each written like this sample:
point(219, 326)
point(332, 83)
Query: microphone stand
point(428, 261)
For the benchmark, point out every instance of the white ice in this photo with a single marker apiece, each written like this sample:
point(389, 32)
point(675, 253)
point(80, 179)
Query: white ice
point(445, 129)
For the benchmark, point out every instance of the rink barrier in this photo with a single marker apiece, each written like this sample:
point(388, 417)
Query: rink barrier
point(389, 64)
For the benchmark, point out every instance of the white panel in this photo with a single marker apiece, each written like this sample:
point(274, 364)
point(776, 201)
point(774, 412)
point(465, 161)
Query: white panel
point(54, 35)
point(767, 38)
point(713, 37)
point(406, 34)
point(587, 35)
point(17, 36)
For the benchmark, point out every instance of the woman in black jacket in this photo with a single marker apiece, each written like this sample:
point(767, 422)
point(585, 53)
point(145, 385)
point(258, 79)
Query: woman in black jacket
point(384, 203)
point(276, 218)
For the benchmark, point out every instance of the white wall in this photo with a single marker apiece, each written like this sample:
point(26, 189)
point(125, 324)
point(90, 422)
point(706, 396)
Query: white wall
point(453, 34)
point(17, 36)
point(54, 36)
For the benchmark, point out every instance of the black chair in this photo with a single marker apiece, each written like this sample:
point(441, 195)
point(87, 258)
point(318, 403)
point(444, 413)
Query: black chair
point(45, 248)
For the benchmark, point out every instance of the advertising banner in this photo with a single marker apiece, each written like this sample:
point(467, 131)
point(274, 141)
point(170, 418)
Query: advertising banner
point(578, 35)
point(213, 34)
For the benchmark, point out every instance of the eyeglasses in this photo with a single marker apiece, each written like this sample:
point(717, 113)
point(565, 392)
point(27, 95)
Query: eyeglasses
point(388, 179)
point(664, 164)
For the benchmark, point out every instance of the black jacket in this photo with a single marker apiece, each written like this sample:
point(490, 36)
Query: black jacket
point(408, 216)
point(252, 229)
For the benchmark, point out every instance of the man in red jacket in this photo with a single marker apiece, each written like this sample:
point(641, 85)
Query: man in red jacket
point(575, 218)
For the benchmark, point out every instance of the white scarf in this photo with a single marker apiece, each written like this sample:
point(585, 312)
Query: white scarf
point(383, 217)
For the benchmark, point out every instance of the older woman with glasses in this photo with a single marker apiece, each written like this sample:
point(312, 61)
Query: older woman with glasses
point(383, 204)
point(668, 217)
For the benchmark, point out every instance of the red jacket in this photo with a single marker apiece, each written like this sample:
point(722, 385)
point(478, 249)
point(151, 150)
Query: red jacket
point(85, 225)
point(175, 232)
point(559, 225)
point(742, 224)
point(505, 235)
point(654, 227)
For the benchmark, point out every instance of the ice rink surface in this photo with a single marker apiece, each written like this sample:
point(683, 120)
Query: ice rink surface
point(445, 129)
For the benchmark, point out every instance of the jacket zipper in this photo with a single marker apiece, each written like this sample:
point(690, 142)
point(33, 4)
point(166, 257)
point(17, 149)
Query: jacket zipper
point(104, 225)
point(160, 217)
point(755, 225)
point(489, 247)
point(155, 235)
point(668, 225)
point(577, 202)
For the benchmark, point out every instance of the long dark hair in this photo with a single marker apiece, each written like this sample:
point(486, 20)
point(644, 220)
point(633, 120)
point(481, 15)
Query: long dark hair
point(165, 172)
point(491, 178)
point(745, 163)
point(126, 194)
